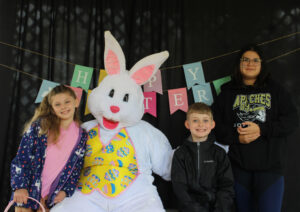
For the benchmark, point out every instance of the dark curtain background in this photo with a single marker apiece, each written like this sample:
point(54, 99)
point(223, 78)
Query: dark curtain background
point(190, 30)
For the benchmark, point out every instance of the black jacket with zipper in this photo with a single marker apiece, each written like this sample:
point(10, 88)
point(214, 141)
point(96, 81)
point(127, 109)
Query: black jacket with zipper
point(271, 107)
point(202, 177)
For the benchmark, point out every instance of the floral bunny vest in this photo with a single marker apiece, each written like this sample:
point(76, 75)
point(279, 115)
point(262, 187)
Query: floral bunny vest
point(109, 169)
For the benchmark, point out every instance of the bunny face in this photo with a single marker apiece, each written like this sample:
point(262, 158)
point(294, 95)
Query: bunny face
point(118, 101)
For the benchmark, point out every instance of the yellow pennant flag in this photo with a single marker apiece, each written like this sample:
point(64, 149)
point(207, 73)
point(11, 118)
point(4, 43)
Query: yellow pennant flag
point(102, 75)
point(87, 111)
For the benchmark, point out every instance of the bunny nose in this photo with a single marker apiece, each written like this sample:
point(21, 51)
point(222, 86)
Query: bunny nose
point(114, 109)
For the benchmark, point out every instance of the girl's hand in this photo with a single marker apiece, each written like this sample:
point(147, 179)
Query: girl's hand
point(251, 128)
point(60, 197)
point(21, 196)
point(248, 138)
point(43, 202)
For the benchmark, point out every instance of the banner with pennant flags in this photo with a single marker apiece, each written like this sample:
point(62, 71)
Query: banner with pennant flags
point(178, 99)
point(193, 74)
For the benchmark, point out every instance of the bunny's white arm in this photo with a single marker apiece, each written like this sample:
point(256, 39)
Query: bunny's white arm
point(153, 150)
point(89, 124)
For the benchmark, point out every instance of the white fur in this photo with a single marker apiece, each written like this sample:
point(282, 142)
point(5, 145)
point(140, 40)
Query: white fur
point(122, 82)
point(153, 150)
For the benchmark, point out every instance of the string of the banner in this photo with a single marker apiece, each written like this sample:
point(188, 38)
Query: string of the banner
point(166, 68)
point(236, 51)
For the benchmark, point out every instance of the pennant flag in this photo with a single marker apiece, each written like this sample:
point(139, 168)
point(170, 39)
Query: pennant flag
point(78, 92)
point(178, 100)
point(150, 103)
point(45, 88)
point(219, 82)
point(193, 74)
point(154, 84)
point(87, 111)
point(102, 75)
point(82, 77)
point(202, 93)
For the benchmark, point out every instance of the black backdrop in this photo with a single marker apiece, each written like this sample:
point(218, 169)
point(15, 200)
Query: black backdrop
point(190, 30)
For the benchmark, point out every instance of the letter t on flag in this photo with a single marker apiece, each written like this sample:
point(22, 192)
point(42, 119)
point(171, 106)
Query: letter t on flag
point(82, 77)
point(150, 103)
point(178, 100)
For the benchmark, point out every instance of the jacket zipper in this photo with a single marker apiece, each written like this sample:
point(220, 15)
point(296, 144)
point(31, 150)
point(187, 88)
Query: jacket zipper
point(198, 160)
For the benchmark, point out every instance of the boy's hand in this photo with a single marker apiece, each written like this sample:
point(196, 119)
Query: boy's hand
point(21, 196)
point(60, 197)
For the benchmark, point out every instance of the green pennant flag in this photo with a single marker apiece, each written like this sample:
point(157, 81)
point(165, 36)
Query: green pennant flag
point(82, 77)
point(219, 82)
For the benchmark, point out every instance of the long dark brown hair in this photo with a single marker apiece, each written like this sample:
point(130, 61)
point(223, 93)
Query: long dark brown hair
point(45, 112)
point(263, 75)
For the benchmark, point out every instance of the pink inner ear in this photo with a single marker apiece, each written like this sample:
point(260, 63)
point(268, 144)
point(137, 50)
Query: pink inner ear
point(112, 64)
point(143, 74)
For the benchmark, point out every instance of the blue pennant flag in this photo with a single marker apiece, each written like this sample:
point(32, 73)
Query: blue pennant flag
point(45, 88)
point(202, 93)
point(193, 74)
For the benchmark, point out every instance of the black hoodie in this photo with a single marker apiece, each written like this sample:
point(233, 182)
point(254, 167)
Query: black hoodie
point(270, 107)
point(202, 177)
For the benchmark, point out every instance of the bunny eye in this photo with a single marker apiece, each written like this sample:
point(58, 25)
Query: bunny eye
point(126, 98)
point(111, 93)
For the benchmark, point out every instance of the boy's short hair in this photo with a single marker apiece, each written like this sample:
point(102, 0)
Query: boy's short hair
point(201, 108)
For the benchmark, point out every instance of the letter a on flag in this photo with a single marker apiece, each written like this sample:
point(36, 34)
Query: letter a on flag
point(82, 77)
point(178, 100)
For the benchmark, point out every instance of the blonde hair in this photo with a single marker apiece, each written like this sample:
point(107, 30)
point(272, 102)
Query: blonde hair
point(200, 108)
point(45, 112)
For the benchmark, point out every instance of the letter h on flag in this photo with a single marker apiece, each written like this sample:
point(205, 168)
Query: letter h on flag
point(82, 77)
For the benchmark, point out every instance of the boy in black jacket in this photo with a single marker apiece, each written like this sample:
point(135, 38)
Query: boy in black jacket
point(201, 172)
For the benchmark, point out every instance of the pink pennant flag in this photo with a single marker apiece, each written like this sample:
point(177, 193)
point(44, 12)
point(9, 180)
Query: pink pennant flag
point(178, 100)
point(154, 84)
point(78, 91)
point(150, 103)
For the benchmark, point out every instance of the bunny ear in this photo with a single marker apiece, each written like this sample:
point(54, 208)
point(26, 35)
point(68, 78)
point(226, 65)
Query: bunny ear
point(114, 60)
point(144, 69)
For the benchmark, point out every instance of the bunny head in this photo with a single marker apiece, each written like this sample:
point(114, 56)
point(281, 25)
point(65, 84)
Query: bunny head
point(118, 101)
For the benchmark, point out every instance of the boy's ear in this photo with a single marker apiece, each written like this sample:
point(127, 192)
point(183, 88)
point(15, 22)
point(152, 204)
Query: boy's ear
point(213, 124)
point(186, 124)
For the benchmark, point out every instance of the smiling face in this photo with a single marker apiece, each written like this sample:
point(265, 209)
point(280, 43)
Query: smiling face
point(117, 102)
point(64, 105)
point(200, 125)
point(250, 67)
